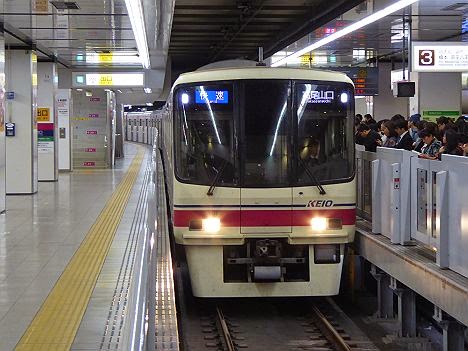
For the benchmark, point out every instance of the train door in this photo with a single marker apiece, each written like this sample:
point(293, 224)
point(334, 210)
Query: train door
point(266, 193)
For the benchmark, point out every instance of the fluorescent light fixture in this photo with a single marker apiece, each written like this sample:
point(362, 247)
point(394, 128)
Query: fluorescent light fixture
point(149, 104)
point(79, 89)
point(118, 57)
point(345, 31)
point(148, 90)
point(135, 12)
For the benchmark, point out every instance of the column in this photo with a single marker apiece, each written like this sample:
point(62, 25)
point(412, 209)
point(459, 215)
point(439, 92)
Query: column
point(384, 293)
point(21, 136)
point(406, 309)
point(2, 121)
point(64, 107)
point(453, 337)
point(47, 121)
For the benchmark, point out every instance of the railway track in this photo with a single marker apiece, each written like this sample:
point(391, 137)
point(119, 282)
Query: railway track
point(324, 336)
point(307, 324)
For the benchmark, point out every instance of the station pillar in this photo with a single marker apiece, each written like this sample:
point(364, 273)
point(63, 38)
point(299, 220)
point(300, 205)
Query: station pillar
point(384, 293)
point(64, 107)
point(431, 101)
point(2, 122)
point(47, 162)
point(21, 118)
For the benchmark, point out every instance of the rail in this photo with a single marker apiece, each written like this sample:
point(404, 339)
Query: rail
point(329, 331)
point(407, 198)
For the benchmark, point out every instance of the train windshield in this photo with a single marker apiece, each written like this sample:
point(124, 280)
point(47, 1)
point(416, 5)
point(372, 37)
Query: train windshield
point(264, 133)
point(205, 135)
point(324, 145)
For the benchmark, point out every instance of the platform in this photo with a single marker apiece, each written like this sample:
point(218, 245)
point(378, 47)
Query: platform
point(68, 255)
point(414, 267)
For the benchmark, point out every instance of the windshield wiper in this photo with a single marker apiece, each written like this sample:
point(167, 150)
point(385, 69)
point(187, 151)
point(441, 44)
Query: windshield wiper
point(313, 177)
point(216, 179)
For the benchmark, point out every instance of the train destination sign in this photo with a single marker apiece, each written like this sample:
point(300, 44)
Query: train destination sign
point(212, 96)
point(440, 57)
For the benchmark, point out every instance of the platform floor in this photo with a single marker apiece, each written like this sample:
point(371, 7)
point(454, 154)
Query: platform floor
point(41, 236)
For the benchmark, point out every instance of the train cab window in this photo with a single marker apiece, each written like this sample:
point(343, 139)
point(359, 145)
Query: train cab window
point(265, 144)
point(204, 134)
point(324, 146)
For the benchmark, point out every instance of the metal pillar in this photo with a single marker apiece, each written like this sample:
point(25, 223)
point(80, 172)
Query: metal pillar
point(453, 336)
point(406, 309)
point(384, 293)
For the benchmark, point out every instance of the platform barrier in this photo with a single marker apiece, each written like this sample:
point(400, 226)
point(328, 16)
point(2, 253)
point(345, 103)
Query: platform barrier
point(408, 198)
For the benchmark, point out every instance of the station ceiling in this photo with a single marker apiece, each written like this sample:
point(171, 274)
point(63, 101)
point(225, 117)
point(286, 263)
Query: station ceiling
point(193, 33)
point(213, 30)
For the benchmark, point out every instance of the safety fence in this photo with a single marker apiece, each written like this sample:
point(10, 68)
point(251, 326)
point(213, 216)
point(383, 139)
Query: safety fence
point(408, 198)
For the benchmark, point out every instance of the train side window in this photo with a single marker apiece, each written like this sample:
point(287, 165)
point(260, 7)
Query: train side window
point(204, 134)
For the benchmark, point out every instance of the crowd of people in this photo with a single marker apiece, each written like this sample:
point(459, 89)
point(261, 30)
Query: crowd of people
point(429, 139)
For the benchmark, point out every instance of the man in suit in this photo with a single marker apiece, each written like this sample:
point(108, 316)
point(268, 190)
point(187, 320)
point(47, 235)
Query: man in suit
point(367, 137)
point(404, 141)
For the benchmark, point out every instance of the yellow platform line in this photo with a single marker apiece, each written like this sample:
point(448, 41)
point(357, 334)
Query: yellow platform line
point(56, 323)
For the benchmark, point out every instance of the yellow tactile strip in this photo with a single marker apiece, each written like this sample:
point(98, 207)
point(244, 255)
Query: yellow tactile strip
point(55, 325)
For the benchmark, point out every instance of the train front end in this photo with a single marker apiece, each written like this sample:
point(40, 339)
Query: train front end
point(263, 189)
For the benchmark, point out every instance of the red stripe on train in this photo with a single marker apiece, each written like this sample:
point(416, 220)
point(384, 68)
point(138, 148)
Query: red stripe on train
point(260, 218)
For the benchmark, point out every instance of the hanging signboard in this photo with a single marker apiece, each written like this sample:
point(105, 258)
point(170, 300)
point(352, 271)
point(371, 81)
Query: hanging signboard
point(439, 57)
point(365, 79)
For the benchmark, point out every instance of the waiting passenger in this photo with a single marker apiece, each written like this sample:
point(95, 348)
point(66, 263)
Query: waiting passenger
point(444, 123)
point(431, 146)
point(412, 125)
point(380, 126)
point(397, 117)
point(369, 138)
point(404, 140)
point(390, 134)
point(419, 143)
point(451, 143)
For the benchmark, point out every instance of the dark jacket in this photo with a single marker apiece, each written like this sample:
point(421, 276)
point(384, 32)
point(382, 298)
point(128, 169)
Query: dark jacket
point(405, 143)
point(370, 141)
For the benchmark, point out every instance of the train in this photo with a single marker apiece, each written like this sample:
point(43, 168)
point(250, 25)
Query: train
point(259, 169)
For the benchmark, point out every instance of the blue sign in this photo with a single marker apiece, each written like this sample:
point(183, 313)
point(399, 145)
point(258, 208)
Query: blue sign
point(9, 129)
point(212, 96)
point(10, 95)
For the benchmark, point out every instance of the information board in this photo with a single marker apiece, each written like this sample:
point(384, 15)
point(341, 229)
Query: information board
point(440, 57)
point(365, 79)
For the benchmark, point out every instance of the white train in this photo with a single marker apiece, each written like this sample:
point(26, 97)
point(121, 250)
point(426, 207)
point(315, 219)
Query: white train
point(259, 164)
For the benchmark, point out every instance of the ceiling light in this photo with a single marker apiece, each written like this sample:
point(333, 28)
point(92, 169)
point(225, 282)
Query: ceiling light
point(345, 31)
point(135, 13)
point(148, 90)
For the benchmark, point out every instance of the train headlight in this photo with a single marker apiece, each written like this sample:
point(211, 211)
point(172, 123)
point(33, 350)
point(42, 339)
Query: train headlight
point(318, 223)
point(211, 224)
point(184, 98)
point(344, 98)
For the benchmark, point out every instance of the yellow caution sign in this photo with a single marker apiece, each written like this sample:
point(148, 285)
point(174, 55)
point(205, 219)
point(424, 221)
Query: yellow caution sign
point(43, 114)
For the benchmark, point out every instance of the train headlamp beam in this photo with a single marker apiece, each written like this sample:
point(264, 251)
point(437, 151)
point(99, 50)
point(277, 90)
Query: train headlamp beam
point(347, 30)
point(135, 12)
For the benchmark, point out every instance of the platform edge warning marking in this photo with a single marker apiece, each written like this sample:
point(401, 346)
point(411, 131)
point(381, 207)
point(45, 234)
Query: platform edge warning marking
point(56, 323)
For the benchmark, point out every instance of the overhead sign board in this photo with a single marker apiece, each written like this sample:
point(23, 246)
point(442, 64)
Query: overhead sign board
point(365, 79)
point(440, 57)
point(108, 79)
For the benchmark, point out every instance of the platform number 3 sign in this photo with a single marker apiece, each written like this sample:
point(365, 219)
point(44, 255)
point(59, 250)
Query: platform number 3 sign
point(426, 57)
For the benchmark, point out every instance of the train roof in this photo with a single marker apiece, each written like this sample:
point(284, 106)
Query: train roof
point(261, 73)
